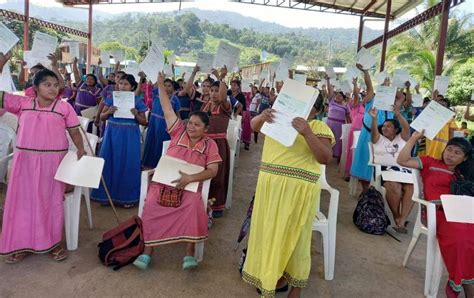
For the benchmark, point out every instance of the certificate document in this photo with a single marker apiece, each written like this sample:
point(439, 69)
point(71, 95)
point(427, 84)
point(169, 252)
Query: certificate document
point(417, 100)
point(432, 119)
point(381, 76)
point(7, 39)
point(124, 101)
point(153, 62)
point(458, 208)
point(168, 169)
point(227, 55)
point(400, 77)
point(441, 84)
point(385, 98)
point(365, 58)
point(85, 172)
point(294, 100)
point(300, 77)
point(105, 59)
point(119, 55)
point(43, 45)
point(205, 62)
point(73, 49)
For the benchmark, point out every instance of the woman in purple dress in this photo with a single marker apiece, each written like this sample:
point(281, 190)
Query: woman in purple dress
point(88, 91)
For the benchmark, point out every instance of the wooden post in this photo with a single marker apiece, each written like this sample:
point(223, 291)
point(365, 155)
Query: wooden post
point(361, 32)
point(443, 29)
point(89, 39)
point(385, 37)
point(26, 26)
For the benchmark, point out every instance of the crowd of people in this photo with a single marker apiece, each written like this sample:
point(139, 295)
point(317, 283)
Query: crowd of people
point(194, 116)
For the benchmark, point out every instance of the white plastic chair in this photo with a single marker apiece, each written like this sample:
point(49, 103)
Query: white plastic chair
point(7, 143)
point(146, 175)
point(84, 122)
point(327, 226)
point(236, 123)
point(72, 201)
point(353, 180)
point(232, 138)
point(434, 262)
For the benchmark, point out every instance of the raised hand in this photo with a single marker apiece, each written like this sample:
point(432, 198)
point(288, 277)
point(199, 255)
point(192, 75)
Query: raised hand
point(54, 59)
point(196, 69)
point(301, 126)
point(267, 115)
point(360, 67)
point(223, 72)
point(4, 59)
point(418, 134)
point(373, 113)
point(161, 79)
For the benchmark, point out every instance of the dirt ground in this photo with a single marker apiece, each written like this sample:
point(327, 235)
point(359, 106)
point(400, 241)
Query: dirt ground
point(366, 265)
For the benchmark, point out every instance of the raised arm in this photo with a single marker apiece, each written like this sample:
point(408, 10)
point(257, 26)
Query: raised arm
point(355, 92)
point(374, 131)
point(102, 80)
point(223, 90)
point(467, 114)
point(55, 69)
point(117, 66)
point(170, 115)
point(404, 158)
point(188, 89)
point(405, 133)
point(368, 82)
point(329, 86)
point(75, 70)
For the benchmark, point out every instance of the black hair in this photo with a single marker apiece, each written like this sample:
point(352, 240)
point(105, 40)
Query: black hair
point(342, 94)
point(464, 169)
point(209, 80)
point(216, 84)
point(131, 79)
point(92, 76)
point(39, 66)
point(41, 76)
point(236, 82)
point(202, 115)
point(179, 80)
point(120, 72)
point(173, 83)
point(395, 123)
point(426, 100)
point(446, 100)
point(319, 103)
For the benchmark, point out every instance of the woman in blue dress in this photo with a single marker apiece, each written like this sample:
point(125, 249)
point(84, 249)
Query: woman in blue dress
point(157, 132)
point(121, 150)
point(360, 168)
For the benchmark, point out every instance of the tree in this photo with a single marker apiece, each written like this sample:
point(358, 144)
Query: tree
point(462, 83)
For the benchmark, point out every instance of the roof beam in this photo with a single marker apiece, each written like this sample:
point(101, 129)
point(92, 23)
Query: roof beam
point(421, 18)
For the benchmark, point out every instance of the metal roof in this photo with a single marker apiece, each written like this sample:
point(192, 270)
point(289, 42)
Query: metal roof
point(370, 8)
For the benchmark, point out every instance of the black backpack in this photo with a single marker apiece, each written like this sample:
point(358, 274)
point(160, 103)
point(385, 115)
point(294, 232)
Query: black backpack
point(369, 215)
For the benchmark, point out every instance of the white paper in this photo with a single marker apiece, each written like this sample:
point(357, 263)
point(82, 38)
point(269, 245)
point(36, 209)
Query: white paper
point(6, 82)
point(337, 85)
point(264, 74)
point(105, 59)
point(85, 172)
point(351, 73)
point(68, 68)
point(227, 55)
point(172, 59)
point(32, 60)
point(441, 84)
point(133, 69)
point(400, 77)
point(43, 45)
point(365, 58)
point(385, 98)
point(246, 85)
point(282, 70)
point(7, 39)
point(397, 176)
point(300, 77)
point(124, 101)
point(294, 100)
point(119, 55)
point(73, 50)
point(168, 169)
point(458, 208)
point(356, 136)
point(346, 87)
point(330, 72)
point(432, 119)
point(168, 70)
point(417, 100)
point(458, 134)
point(381, 76)
point(89, 113)
point(153, 63)
point(205, 62)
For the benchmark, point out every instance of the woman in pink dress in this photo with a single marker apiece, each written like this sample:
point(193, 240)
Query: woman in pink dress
point(357, 110)
point(185, 221)
point(33, 218)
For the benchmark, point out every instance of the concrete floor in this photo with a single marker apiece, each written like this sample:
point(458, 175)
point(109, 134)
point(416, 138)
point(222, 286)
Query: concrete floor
point(366, 265)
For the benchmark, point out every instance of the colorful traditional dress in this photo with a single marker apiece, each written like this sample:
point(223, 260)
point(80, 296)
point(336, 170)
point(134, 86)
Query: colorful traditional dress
point(336, 118)
point(188, 222)
point(357, 116)
point(218, 123)
point(156, 133)
point(246, 135)
point(456, 240)
point(360, 169)
point(33, 218)
point(121, 151)
point(86, 97)
point(435, 147)
point(285, 206)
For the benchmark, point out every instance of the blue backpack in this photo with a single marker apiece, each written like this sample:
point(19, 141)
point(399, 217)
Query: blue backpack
point(369, 215)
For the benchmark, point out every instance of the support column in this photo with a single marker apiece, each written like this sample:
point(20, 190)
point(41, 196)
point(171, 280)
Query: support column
point(89, 39)
point(443, 29)
point(26, 27)
point(361, 32)
point(385, 37)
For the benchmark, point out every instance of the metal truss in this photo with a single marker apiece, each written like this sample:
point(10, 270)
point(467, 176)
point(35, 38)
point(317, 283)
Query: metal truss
point(19, 17)
point(419, 19)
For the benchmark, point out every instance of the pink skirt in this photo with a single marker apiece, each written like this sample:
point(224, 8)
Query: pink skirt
point(246, 135)
point(34, 216)
point(163, 225)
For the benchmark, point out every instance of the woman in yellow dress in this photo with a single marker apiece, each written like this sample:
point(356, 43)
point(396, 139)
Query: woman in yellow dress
point(286, 199)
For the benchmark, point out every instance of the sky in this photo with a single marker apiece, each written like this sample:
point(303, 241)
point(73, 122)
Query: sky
point(282, 16)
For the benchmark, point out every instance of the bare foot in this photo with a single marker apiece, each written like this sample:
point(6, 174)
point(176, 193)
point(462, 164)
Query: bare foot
point(294, 293)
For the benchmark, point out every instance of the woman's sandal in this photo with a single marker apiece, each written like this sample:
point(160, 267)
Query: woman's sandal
point(16, 258)
point(142, 261)
point(59, 254)
point(189, 262)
